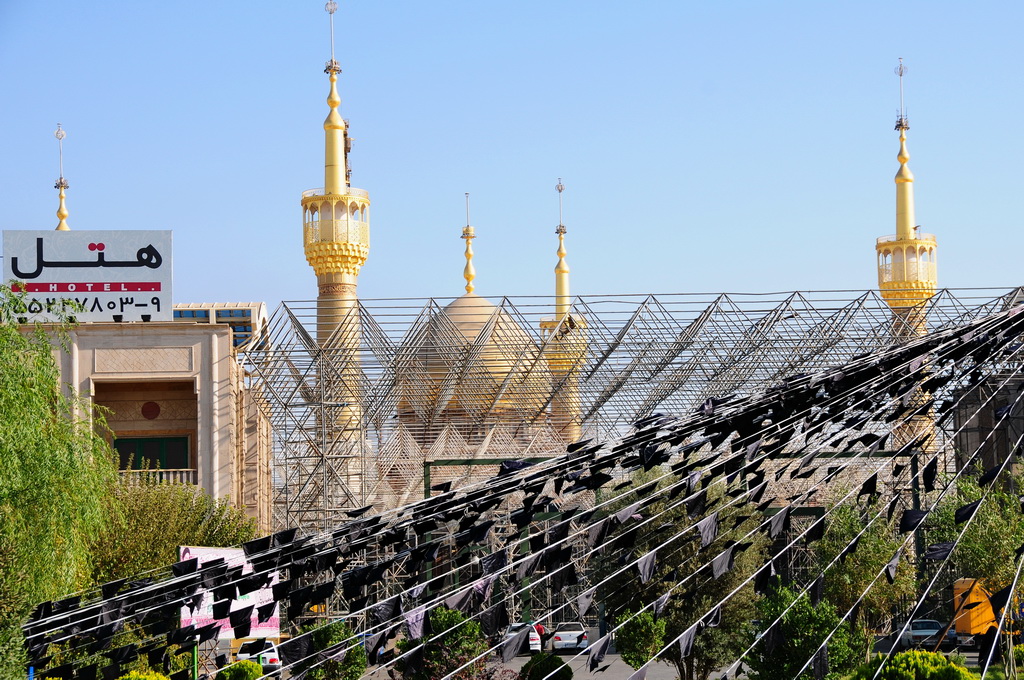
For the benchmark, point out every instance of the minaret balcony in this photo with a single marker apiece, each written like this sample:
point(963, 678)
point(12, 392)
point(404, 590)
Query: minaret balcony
point(348, 192)
point(907, 263)
point(892, 238)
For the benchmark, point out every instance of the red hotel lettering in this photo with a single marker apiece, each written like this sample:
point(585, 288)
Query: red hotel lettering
point(118, 286)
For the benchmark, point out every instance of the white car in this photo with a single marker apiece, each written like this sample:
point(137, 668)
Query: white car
point(569, 635)
point(534, 639)
point(266, 657)
point(924, 633)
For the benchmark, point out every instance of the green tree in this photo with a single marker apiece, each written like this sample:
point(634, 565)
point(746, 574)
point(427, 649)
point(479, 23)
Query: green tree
point(714, 647)
point(351, 667)
point(986, 551)
point(800, 633)
point(846, 581)
point(447, 651)
point(640, 637)
point(148, 520)
point(57, 471)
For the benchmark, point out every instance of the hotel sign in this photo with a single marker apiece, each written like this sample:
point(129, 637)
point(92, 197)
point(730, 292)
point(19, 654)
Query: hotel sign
point(91, 275)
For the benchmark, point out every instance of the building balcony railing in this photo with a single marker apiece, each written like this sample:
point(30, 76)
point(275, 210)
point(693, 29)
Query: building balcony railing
point(346, 191)
point(161, 476)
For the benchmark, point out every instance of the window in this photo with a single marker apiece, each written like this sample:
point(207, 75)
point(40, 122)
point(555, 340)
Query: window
point(191, 314)
point(155, 453)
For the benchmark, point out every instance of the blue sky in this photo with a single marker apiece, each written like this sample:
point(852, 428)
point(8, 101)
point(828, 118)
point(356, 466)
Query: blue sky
point(729, 146)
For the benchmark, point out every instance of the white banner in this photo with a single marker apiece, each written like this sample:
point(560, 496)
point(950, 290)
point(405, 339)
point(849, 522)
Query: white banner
point(271, 628)
point(111, 275)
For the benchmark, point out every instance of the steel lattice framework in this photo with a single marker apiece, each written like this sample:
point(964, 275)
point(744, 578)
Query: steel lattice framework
point(410, 389)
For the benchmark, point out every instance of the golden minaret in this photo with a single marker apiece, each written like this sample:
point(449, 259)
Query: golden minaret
point(566, 344)
point(907, 281)
point(906, 259)
point(61, 184)
point(336, 218)
point(336, 241)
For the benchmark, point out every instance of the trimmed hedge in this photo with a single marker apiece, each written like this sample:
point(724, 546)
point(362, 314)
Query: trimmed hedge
point(541, 665)
point(241, 670)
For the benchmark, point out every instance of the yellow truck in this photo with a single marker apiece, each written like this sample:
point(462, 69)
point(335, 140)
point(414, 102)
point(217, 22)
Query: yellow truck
point(973, 611)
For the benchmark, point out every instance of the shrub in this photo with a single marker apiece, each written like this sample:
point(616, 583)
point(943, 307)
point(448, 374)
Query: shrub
point(914, 665)
point(640, 637)
point(349, 668)
point(242, 670)
point(1018, 656)
point(447, 651)
point(143, 675)
point(542, 665)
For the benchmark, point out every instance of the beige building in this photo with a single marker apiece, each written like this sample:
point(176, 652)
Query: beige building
point(176, 401)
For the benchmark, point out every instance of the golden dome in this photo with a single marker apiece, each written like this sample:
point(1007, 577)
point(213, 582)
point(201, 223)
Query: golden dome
point(476, 357)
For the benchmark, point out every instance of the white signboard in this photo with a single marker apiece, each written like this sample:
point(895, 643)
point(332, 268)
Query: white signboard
point(111, 275)
point(271, 628)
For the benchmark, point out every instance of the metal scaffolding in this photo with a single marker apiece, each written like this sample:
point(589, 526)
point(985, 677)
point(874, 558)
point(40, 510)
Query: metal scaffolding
point(474, 378)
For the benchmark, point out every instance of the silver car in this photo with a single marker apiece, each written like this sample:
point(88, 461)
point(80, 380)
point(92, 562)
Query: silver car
point(569, 635)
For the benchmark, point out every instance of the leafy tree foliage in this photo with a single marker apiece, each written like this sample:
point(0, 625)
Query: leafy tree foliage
point(714, 647)
point(56, 473)
point(349, 668)
point(640, 638)
point(447, 651)
point(846, 580)
point(147, 521)
point(986, 551)
point(800, 633)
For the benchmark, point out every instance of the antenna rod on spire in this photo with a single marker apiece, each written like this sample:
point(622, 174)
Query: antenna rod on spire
point(60, 135)
point(332, 66)
point(560, 188)
point(61, 184)
point(901, 121)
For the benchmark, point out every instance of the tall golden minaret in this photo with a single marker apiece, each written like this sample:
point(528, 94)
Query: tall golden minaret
point(61, 184)
point(336, 218)
point(906, 279)
point(906, 259)
point(336, 240)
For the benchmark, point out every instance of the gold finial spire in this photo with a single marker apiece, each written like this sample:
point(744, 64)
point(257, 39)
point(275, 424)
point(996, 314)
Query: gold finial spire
point(905, 219)
point(61, 183)
point(469, 273)
point(562, 268)
point(335, 161)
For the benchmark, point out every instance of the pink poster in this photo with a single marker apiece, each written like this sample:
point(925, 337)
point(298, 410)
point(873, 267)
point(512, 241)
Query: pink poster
point(271, 628)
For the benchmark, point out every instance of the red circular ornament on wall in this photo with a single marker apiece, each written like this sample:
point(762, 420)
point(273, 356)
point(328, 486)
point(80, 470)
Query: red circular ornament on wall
point(150, 410)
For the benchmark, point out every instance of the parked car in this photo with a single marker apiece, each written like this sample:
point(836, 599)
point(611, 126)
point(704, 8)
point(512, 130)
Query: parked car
point(569, 635)
point(265, 655)
point(533, 644)
point(925, 632)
